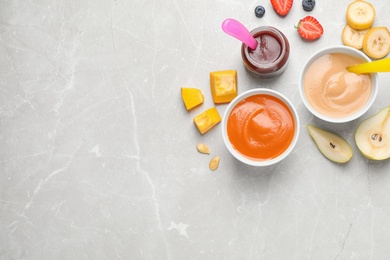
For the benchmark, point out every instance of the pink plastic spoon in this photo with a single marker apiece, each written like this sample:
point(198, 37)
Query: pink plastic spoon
point(238, 30)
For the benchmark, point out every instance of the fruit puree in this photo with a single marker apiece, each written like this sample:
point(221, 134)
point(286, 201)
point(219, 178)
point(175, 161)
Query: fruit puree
point(332, 90)
point(261, 127)
point(270, 57)
point(268, 49)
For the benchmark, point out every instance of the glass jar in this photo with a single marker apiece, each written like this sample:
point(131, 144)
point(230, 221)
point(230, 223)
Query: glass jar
point(270, 58)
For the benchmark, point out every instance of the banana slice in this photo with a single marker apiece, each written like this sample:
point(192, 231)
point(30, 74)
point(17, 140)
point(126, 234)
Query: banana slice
point(376, 42)
point(360, 15)
point(353, 38)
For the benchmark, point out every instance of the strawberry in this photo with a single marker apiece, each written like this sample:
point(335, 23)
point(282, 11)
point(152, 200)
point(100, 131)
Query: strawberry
point(309, 28)
point(282, 7)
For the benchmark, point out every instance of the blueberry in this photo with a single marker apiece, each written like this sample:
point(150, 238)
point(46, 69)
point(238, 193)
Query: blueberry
point(259, 11)
point(308, 5)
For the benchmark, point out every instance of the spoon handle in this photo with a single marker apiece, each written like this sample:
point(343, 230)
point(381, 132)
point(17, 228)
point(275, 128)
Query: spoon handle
point(382, 65)
point(239, 31)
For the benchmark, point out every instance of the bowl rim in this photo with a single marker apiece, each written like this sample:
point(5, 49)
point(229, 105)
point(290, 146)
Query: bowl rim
point(244, 95)
point(338, 49)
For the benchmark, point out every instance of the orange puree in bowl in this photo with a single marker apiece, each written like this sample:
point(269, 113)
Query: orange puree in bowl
point(332, 90)
point(261, 127)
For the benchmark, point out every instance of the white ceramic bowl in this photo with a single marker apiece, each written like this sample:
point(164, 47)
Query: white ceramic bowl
point(248, 160)
point(349, 51)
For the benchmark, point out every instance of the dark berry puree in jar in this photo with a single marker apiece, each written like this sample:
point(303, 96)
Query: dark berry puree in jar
point(268, 49)
point(270, 57)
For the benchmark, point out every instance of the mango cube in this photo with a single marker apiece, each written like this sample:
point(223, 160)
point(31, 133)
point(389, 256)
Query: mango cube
point(192, 97)
point(223, 85)
point(207, 120)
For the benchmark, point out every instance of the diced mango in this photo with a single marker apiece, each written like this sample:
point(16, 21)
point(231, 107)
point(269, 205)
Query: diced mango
point(223, 85)
point(192, 97)
point(207, 120)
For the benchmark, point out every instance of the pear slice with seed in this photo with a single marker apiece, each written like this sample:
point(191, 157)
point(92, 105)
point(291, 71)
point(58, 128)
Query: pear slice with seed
point(331, 145)
point(372, 136)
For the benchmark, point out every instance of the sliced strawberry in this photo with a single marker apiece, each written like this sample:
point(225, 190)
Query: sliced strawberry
point(282, 7)
point(309, 28)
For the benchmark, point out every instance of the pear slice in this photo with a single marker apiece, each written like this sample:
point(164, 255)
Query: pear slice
point(331, 145)
point(372, 136)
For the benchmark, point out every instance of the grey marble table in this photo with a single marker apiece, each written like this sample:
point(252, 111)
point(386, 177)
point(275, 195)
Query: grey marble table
point(97, 151)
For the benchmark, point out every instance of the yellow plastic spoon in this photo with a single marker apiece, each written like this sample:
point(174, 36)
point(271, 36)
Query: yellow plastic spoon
point(382, 65)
